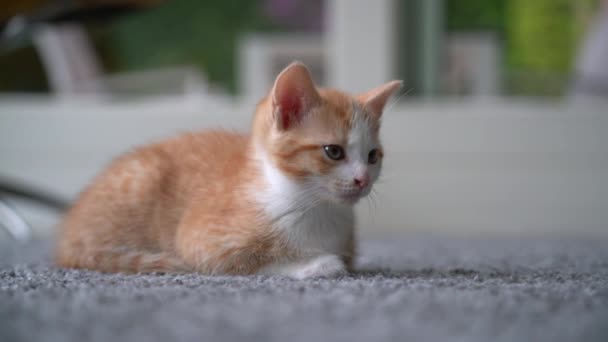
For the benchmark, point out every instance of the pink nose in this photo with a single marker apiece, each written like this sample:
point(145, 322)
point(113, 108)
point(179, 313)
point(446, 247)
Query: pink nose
point(362, 181)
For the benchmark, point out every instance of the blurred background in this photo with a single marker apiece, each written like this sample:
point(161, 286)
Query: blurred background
point(500, 130)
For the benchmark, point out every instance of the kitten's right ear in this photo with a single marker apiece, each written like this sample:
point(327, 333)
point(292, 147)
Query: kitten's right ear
point(293, 95)
point(375, 100)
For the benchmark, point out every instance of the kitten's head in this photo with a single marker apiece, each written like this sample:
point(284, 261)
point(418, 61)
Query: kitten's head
point(323, 140)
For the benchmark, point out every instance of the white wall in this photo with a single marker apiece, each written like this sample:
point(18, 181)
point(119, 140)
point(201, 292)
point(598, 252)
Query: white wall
point(451, 167)
point(360, 40)
point(492, 167)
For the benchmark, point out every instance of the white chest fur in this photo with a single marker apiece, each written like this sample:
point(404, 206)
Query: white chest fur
point(311, 227)
point(322, 229)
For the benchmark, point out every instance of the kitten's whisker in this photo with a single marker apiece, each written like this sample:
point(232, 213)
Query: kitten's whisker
point(305, 201)
point(372, 197)
point(370, 208)
point(390, 105)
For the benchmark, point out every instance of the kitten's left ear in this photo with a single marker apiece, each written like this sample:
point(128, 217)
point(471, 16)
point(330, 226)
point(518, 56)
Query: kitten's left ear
point(293, 96)
point(374, 100)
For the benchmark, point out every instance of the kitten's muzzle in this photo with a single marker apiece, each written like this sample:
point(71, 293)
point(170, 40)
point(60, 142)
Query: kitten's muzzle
point(362, 181)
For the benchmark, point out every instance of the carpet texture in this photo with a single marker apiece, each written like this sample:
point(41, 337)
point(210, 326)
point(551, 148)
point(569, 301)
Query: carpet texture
point(413, 289)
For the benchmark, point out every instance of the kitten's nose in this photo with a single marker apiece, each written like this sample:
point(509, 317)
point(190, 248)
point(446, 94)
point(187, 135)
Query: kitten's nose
point(362, 181)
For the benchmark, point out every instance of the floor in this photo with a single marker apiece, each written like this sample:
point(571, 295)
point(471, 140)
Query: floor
point(416, 288)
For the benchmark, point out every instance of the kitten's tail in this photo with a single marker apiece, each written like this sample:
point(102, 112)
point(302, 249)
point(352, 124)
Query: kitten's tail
point(110, 261)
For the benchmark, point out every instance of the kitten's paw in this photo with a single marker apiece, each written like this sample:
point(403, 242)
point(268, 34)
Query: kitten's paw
point(323, 266)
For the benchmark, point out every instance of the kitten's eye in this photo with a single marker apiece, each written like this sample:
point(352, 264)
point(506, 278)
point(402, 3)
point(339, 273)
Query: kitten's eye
point(372, 157)
point(334, 152)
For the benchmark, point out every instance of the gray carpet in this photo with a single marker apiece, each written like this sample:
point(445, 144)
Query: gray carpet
point(411, 289)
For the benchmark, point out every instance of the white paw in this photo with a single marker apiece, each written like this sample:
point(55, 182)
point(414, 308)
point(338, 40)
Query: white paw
point(323, 266)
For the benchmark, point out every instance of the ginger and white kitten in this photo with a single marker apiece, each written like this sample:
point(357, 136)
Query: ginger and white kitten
point(277, 201)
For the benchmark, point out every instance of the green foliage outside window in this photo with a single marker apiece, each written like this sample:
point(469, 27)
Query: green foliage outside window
point(540, 37)
point(182, 32)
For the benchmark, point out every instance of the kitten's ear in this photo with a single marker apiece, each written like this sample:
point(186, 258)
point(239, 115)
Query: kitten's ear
point(293, 95)
point(375, 99)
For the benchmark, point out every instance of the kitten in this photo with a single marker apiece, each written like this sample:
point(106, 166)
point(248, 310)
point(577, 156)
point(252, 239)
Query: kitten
point(278, 201)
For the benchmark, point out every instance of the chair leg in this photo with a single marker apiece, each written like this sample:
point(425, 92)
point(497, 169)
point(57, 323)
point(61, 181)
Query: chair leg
point(13, 223)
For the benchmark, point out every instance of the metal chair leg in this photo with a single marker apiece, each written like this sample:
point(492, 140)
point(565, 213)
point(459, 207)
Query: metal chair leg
point(13, 223)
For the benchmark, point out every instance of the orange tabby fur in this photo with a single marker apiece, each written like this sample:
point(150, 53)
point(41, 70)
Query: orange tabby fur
point(191, 203)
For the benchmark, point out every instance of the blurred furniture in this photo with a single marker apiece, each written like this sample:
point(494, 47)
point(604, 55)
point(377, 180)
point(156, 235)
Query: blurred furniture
point(13, 223)
point(263, 56)
point(591, 72)
point(10, 219)
point(69, 59)
point(57, 32)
